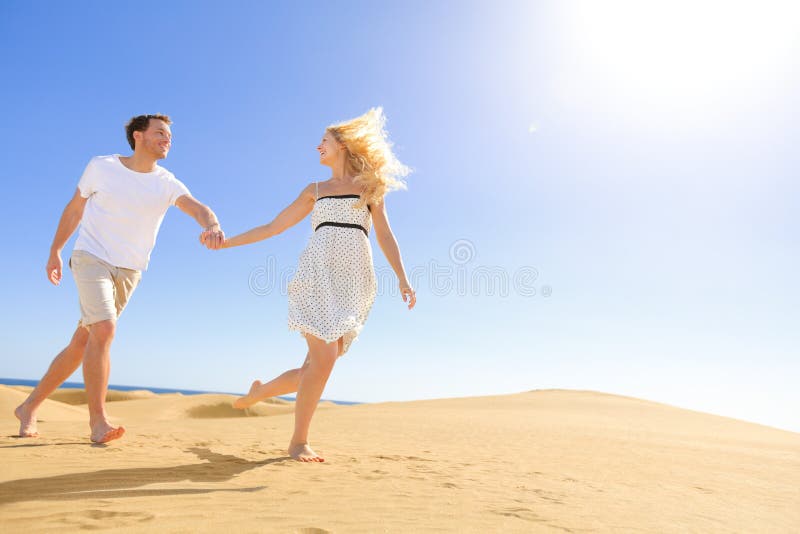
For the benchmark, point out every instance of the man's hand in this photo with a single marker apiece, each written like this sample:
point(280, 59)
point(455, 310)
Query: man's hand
point(54, 266)
point(70, 220)
point(213, 237)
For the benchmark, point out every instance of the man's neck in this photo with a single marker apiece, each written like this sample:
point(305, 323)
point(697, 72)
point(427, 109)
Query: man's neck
point(139, 162)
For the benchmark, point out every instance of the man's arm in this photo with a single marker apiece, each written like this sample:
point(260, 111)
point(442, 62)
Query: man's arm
point(213, 234)
point(70, 219)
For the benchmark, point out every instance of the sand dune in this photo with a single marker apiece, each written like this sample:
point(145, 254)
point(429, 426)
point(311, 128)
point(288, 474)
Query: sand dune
point(206, 406)
point(143, 404)
point(77, 397)
point(534, 462)
point(51, 410)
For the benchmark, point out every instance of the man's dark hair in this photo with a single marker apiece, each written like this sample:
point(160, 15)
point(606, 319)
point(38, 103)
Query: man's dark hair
point(140, 123)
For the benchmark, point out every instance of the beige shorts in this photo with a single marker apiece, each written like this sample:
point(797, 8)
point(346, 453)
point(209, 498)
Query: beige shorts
point(103, 290)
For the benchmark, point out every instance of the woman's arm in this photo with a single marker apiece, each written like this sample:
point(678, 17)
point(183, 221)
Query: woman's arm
point(291, 215)
point(390, 248)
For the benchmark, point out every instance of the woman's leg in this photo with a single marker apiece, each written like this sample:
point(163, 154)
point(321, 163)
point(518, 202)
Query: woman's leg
point(322, 356)
point(282, 385)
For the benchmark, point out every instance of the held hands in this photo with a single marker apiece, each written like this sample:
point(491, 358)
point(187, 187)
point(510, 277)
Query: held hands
point(408, 294)
point(213, 237)
point(54, 266)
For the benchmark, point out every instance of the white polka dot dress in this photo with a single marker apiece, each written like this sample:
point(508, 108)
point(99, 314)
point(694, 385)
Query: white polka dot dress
point(334, 287)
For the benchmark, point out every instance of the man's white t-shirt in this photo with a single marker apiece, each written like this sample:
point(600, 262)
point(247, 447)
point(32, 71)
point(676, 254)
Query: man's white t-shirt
point(124, 210)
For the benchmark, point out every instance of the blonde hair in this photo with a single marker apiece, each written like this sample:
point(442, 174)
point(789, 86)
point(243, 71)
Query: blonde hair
point(369, 155)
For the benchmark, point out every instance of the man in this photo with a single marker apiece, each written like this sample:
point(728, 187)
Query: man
point(120, 203)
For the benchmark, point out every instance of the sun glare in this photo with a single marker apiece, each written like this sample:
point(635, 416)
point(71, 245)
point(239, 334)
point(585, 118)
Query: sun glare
point(683, 52)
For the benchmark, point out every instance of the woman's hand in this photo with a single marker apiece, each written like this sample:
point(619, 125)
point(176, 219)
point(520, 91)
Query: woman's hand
point(408, 294)
point(213, 239)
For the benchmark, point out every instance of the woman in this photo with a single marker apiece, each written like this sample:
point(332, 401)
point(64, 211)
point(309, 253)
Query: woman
point(333, 290)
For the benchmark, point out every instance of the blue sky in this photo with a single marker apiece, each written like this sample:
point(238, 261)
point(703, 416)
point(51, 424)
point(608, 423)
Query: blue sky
point(640, 161)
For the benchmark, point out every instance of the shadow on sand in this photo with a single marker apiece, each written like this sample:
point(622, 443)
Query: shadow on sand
point(116, 483)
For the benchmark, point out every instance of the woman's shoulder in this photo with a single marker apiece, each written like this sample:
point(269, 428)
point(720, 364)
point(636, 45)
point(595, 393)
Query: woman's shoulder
point(306, 194)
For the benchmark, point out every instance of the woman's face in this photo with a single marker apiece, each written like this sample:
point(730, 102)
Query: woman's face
point(329, 150)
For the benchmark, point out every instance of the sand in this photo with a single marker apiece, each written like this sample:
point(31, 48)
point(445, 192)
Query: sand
point(540, 461)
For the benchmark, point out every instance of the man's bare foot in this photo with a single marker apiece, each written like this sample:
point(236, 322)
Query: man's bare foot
point(27, 422)
point(104, 432)
point(250, 399)
point(303, 453)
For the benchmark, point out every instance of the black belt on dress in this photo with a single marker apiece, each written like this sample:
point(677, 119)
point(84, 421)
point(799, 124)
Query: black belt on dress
point(342, 225)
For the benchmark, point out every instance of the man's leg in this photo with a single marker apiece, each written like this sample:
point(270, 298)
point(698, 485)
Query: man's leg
point(62, 367)
point(96, 367)
point(103, 290)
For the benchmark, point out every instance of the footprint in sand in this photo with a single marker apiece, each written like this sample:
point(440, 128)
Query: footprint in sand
point(96, 519)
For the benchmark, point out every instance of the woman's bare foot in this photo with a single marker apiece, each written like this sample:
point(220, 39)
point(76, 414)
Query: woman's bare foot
point(27, 422)
point(250, 399)
point(103, 432)
point(303, 453)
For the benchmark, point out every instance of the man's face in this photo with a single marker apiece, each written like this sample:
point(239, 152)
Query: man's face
point(156, 140)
